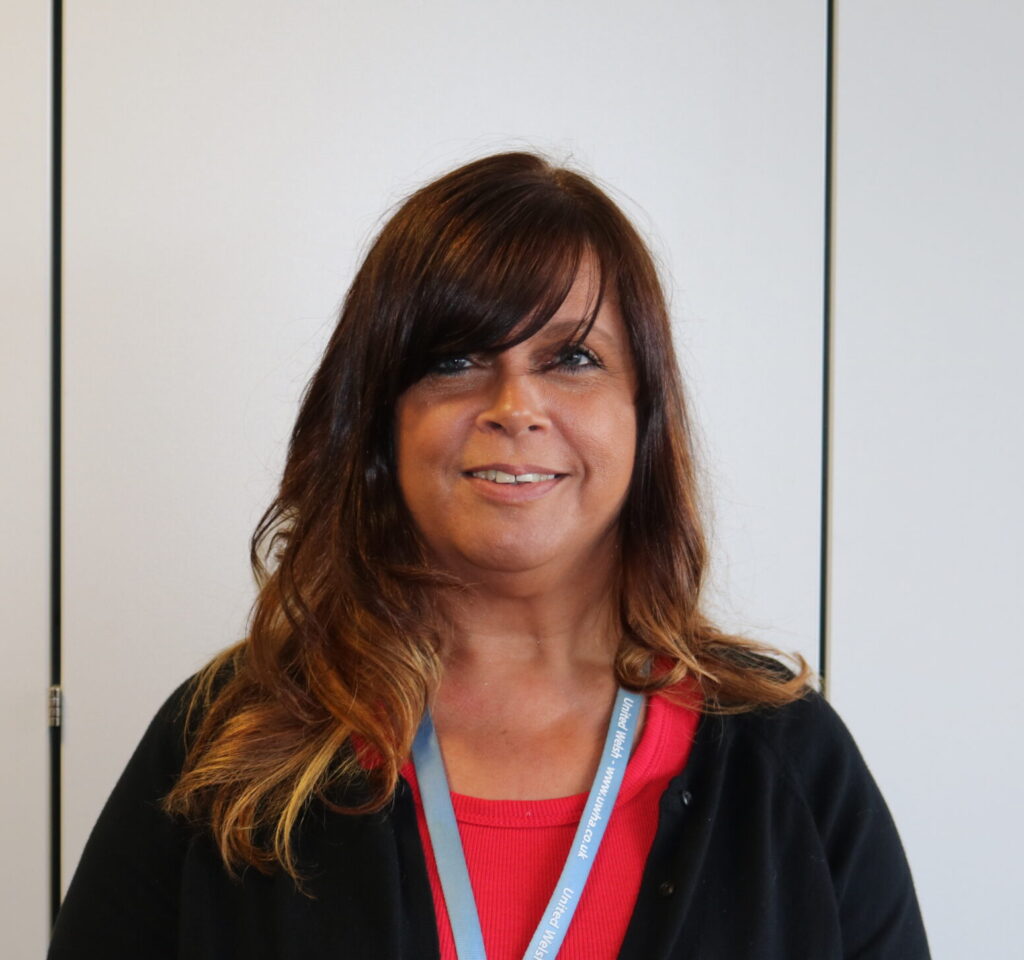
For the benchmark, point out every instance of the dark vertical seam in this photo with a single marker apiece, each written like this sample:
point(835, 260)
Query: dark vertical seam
point(55, 442)
point(826, 386)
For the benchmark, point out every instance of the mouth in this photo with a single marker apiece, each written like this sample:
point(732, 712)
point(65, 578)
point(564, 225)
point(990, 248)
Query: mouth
point(510, 474)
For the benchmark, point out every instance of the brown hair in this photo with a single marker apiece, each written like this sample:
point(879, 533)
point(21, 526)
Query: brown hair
point(342, 651)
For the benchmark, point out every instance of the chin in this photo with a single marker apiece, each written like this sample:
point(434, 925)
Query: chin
point(505, 563)
point(514, 555)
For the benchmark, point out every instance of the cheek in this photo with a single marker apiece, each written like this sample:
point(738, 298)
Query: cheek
point(426, 443)
point(411, 437)
point(607, 440)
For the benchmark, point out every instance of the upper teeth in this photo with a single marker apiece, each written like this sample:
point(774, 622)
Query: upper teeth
point(499, 476)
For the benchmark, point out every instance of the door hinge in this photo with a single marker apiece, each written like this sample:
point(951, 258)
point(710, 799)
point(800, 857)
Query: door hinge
point(55, 701)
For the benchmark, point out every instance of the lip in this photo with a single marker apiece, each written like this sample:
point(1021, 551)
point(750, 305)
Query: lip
point(508, 493)
point(517, 469)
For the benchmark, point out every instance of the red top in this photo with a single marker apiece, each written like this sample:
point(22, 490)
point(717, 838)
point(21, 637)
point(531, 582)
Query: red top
point(515, 850)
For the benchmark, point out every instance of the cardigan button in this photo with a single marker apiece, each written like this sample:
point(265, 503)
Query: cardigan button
point(666, 888)
point(687, 797)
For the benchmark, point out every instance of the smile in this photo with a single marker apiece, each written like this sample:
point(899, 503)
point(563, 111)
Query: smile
point(499, 476)
point(513, 483)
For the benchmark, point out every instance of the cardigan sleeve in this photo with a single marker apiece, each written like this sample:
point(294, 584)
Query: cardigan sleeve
point(123, 898)
point(878, 908)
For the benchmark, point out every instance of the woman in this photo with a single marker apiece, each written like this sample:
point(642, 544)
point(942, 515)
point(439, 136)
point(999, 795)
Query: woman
point(479, 707)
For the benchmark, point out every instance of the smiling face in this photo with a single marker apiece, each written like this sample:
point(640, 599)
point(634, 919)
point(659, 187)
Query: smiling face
point(561, 420)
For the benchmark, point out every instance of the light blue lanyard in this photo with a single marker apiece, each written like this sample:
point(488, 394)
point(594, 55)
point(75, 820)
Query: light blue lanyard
point(451, 861)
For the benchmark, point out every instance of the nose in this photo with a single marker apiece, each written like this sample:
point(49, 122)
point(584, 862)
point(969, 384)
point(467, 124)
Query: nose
point(515, 405)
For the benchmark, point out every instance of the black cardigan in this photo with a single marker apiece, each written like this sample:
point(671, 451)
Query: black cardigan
point(774, 842)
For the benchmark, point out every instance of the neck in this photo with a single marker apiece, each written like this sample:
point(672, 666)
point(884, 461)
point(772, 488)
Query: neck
point(528, 684)
point(555, 632)
point(526, 694)
point(557, 616)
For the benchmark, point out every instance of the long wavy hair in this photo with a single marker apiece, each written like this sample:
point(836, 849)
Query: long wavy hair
point(342, 653)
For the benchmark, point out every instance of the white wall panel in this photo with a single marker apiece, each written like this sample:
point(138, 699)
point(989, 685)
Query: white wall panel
point(927, 659)
point(25, 475)
point(226, 164)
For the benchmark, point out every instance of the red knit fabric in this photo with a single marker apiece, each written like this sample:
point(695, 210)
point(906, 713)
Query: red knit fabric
point(515, 850)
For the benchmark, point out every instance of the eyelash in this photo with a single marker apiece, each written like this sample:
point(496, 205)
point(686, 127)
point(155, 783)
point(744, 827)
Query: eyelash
point(560, 361)
point(439, 368)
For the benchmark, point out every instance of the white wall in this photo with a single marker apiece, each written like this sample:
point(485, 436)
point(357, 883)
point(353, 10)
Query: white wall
point(226, 164)
point(25, 475)
point(926, 658)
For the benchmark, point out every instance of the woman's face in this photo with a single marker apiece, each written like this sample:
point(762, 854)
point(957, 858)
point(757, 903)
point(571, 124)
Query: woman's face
point(562, 421)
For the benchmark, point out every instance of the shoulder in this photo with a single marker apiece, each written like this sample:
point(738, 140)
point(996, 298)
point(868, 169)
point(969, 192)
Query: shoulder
point(160, 753)
point(808, 743)
point(802, 748)
point(802, 738)
point(807, 746)
point(168, 732)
